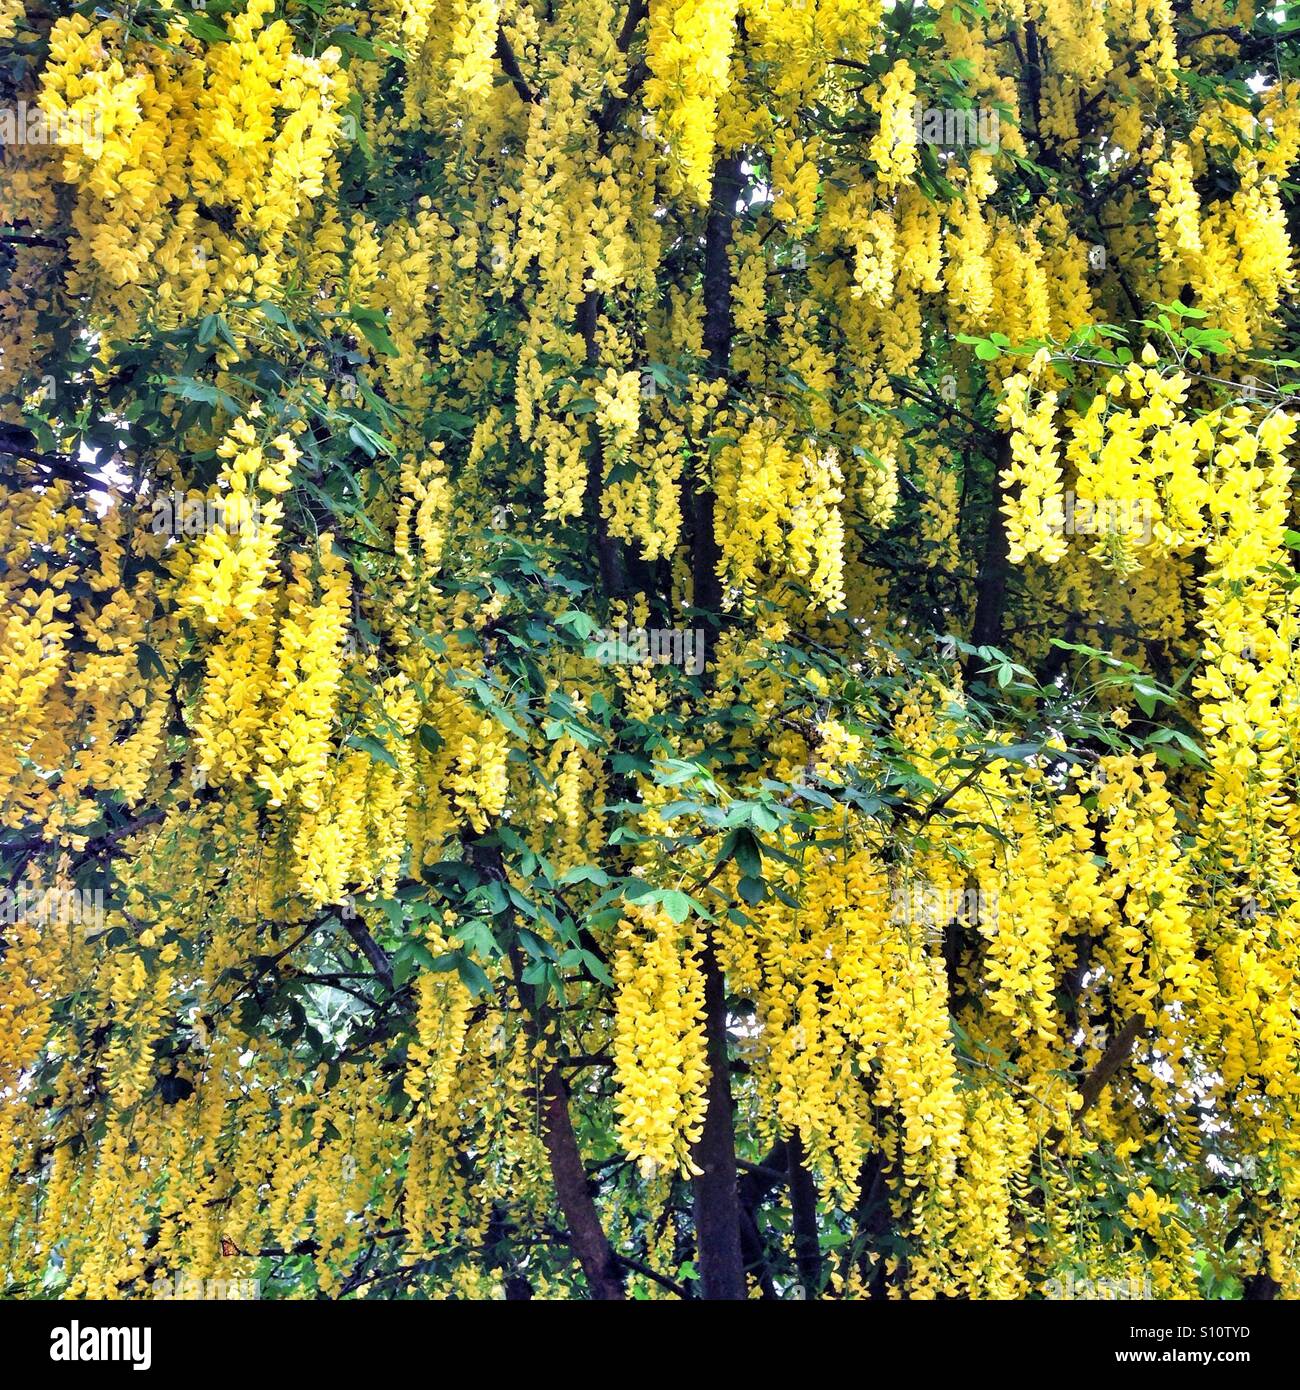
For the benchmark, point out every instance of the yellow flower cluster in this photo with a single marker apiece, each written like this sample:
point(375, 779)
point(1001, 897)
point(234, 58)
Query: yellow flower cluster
point(688, 50)
point(794, 181)
point(893, 148)
point(157, 138)
point(1035, 512)
point(659, 1049)
point(227, 579)
point(782, 506)
point(295, 742)
point(1136, 467)
point(1178, 221)
point(618, 409)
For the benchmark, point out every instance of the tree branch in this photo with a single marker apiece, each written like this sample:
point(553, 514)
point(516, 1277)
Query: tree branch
point(1111, 1061)
point(510, 65)
point(372, 951)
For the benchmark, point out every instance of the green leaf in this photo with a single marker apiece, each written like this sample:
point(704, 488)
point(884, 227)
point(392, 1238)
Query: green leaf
point(596, 967)
point(473, 977)
point(747, 850)
point(676, 904)
point(366, 744)
point(377, 336)
point(149, 662)
point(203, 28)
point(585, 873)
point(753, 890)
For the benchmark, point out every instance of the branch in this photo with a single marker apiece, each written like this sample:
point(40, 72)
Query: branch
point(586, 1236)
point(717, 1199)
point(942, 407)
point(986, 627)
point(32, 239)
point(1112, 1060)
point(373, 952)
point(510, 64)
point(803, 1219)
point(638, 1268)
point(110, 837)
point(636, 12)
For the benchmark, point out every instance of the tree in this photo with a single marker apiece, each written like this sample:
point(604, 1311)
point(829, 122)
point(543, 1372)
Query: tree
point(649, 648)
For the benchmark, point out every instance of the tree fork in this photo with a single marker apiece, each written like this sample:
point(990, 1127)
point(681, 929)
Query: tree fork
point(587, 1238)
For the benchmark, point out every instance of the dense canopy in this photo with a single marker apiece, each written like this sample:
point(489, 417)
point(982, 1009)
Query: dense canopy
point(648, 649)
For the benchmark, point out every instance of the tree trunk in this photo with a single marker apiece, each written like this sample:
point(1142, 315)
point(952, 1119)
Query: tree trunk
point(587, 1237)
point(717, 1201)
point(803, 1220)
point(986, 628)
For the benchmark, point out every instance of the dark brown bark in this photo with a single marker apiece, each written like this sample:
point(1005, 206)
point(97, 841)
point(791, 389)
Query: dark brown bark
point(718, 1218)
point(803, 1214)
point(585, 1234)
point(874, 1221)
point(755, 1183)
point(717, 1201)
point(374, 953)
point(1121, 1046)
point(717, 347)
point(32, 239)
point(986, 628)
point(753, 1254)
point(587, 1237)
point(1259, 1288)
point(510, 66)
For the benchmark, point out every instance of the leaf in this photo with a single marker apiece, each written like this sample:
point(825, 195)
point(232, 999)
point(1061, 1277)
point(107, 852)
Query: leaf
point(676, 904)
point(377, 336)
point(753, 890)
point(203, 28)
point(746, 849)
point(585, 873)
point(473, 977)
point(595, 966)
point(366, 744)
point(671, 772)
point(346, 38)
point(149, 662)
point(190, 390)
